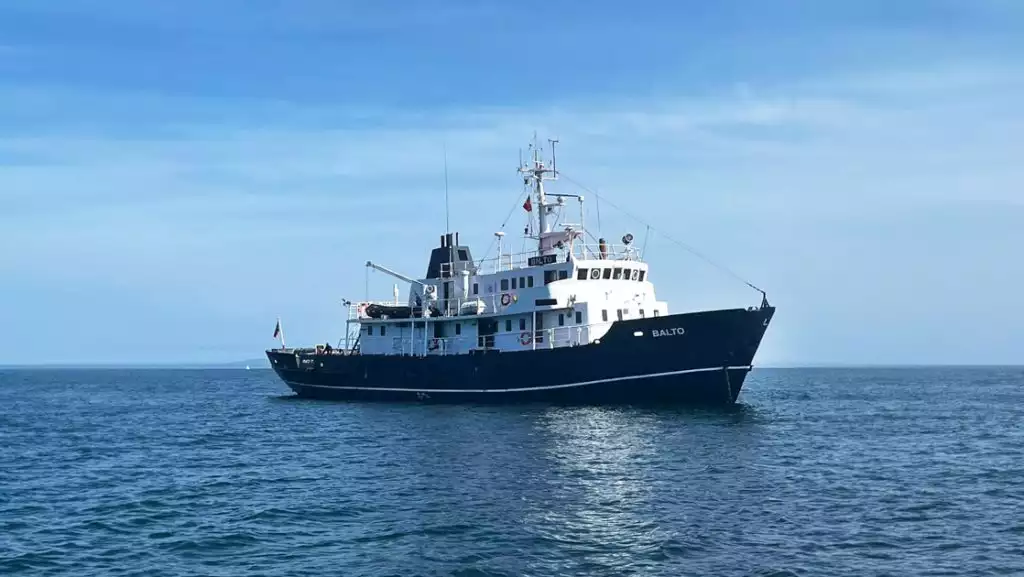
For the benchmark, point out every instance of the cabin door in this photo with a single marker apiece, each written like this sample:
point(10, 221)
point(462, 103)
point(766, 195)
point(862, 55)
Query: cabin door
point(446, 295)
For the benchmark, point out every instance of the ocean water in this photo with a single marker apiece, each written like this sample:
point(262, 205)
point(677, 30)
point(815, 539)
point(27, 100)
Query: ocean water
point(222, 472)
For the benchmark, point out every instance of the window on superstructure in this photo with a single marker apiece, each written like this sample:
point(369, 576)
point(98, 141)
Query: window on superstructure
point(620, 314)
point(579, 317)
point(549, 276)
point(369, 330)
point(476, 288)
point(581, 274)
point(617, 275)
point(607, 274)
point(604, 315)
point(643, 273)
point(626, 273)
point(641, 313)
point(529, 281)
point(504, 284)
point(463, 255)
point(382, 327)
point(513, 283)
point(458, 328)
point(522, 282)
point(563, 274)
point(561, 319)
point(508, 325)
point(522, 324)
point(655, 312)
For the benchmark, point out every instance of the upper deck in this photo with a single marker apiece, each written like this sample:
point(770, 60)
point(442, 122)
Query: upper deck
point(515, 283)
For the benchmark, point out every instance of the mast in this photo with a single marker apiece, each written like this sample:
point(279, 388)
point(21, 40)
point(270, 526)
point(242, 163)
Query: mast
point(537, 172)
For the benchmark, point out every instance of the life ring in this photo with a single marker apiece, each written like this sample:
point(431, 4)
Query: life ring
point(595, 273)
point(433, 344)
point(506, 299)
point(525, 338)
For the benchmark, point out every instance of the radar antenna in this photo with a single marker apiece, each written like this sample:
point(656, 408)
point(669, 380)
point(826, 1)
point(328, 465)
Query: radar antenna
point(537, 171)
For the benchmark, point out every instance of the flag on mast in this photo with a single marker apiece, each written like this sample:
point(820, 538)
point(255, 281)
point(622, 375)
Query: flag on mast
point(528, 206)
point(278, 333)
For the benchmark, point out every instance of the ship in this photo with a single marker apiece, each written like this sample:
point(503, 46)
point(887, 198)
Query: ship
point(571, 321)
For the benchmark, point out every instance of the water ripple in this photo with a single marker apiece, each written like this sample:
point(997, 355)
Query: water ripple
point(819, 472)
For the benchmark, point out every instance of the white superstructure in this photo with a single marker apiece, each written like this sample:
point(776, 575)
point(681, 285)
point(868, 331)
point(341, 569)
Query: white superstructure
point(565, 293)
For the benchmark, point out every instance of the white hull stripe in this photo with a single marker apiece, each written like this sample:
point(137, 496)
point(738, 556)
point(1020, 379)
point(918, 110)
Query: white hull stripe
point(524, 389)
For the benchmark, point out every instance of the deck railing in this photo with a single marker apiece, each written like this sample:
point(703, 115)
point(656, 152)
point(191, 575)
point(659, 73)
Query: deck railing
point(486, 303)
point(580, 250)
point(549, 338)
point(449, 308)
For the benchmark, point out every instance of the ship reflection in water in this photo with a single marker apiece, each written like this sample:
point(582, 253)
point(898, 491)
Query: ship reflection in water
point(618, 477)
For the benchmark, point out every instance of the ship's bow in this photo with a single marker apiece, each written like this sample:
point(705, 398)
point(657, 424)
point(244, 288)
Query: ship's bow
point(701, 357)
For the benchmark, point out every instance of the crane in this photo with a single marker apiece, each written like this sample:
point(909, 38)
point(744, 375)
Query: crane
point(390, 272)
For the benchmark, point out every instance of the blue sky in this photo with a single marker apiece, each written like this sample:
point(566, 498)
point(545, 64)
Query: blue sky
point(176, 175)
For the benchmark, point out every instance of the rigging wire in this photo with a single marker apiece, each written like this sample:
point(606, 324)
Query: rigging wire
point(680, 243)
point(507, 217)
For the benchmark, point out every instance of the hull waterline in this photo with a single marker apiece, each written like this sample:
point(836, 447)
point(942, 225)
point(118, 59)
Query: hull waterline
point(693, 358)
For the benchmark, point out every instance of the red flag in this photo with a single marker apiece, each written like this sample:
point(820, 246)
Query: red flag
point(277, 329)
point(528, 206)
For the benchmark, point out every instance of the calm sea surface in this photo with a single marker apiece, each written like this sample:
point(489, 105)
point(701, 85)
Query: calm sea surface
point(222, 472)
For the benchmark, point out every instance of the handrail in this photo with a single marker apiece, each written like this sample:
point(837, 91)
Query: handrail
point(493, 303)
point(580, 250)
point(551, 338)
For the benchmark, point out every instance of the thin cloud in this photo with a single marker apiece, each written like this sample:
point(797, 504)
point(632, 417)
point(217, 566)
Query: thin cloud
point(753, 175)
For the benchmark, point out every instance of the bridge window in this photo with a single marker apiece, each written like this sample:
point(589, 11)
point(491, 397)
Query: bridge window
point(504, 284)
point(549, 276)
point(643, 273)
point(618, 273)
point(627, 273)
point(620, 314)
point(581, 274)
point(529, 281)
point(563, 274)
point(604, 315)
point(463, 255)
point(513, 283)
point(579, 317)
point(607, 274)
point(641, 313)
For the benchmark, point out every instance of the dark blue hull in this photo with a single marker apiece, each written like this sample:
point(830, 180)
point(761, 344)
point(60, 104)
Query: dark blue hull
point(699, 358)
